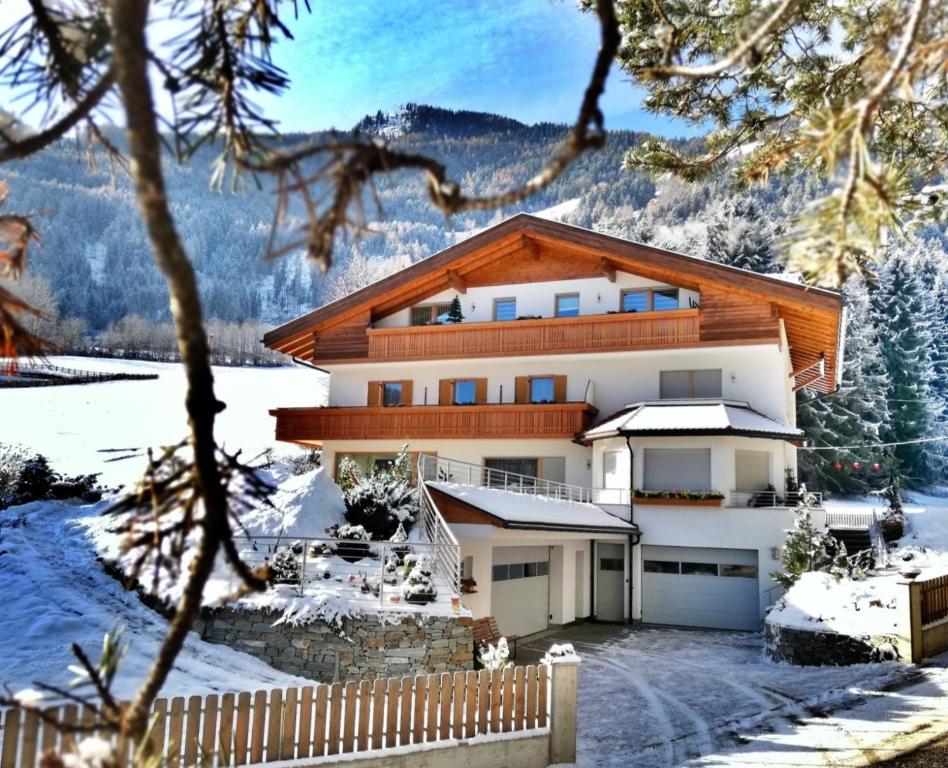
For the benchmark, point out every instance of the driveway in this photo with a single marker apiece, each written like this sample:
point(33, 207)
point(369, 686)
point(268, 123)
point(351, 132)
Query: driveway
point(654, 697)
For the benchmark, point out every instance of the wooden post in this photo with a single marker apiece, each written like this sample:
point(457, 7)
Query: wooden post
point(563, 720)
point(909, 606)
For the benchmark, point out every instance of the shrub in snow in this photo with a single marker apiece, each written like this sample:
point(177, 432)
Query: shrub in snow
point(491, 657)
point(560, 652)
point(303, 463)
point(419, 587)
point(391, 569)
point(382, 501)
point(808, 549)
point(352, 545)
point(12, 458)
point(36, 481)
point(285, 567)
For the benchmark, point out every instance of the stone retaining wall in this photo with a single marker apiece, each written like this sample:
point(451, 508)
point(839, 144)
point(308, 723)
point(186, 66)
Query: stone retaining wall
point(370, 649)
point(808, 648)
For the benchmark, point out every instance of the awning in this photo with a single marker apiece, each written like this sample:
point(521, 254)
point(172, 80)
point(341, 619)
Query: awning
point(691, 417)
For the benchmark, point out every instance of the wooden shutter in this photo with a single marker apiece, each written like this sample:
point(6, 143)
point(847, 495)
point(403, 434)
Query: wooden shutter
point(480, 391)
point(446, 392)
point(407, 392)
point(522, 389)
point(375, 393)
point(559, 389)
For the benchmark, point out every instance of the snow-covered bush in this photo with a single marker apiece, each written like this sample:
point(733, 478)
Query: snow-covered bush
point(559, 652)
point(382, 501)
point(809, 549)
point(419, 587)
point(302, 463)
point(494, 657)
point(36, 480)
point(12, 458)
point(353, 544)
point(285, 567)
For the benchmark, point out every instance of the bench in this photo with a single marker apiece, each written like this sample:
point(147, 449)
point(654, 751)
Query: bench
point(486, 632)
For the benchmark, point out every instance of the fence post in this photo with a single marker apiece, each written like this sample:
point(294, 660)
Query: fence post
point(563, 722)
point(909, 620)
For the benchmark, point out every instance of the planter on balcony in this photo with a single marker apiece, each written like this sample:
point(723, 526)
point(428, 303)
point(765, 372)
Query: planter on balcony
point(678, 501)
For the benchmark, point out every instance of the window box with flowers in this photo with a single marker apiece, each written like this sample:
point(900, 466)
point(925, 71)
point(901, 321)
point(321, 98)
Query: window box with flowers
point(675, 498)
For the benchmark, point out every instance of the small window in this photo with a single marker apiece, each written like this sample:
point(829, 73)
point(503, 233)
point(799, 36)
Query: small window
point(428, 314)
point(701, 383)
point(499, 573)
point(611, 564)
point(392, 393)
point(739, 571)
point(667, 298)
point(543, 569)
point(699, 569)
point(567, 305)
point(505, 309)
point(516, 570)
point(541, 390)
point(635, 301)
point(529, 570)
point(465, 392)
point(660, 566)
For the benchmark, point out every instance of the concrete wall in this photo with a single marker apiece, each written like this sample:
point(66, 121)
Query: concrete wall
point(368, 649)
point(755, 373)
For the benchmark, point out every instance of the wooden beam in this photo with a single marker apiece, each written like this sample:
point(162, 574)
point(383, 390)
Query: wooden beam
point(608, 269)
point(820, 363)
point(457, 282)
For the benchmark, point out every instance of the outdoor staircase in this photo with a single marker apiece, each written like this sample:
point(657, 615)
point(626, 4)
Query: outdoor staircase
point(859, 532)
point(854, 539)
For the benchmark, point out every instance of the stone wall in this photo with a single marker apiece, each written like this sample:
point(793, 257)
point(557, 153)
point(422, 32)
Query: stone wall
point(808, 648)
point(370, 649)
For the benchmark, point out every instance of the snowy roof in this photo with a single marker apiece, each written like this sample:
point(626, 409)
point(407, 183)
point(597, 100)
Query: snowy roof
point(522, 510)
point(691, 417)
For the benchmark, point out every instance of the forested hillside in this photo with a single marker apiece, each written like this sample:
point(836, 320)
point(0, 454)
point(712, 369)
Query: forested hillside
point(95, 264)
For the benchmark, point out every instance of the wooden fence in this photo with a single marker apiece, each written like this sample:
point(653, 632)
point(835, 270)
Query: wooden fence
point(313, 721)
point(922, 606)
point(934, 599)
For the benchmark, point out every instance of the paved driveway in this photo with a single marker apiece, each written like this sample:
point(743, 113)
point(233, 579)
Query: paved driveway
point(654, 697)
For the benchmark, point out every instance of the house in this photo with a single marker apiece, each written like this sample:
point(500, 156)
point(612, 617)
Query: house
point(585, 366)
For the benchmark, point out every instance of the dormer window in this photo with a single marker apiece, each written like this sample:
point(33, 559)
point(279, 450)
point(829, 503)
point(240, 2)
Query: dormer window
point(505, 309)
point(649, 299)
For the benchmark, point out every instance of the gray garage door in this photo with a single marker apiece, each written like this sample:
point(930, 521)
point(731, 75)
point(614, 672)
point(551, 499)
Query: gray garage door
point(698, 587)
point(520, 589)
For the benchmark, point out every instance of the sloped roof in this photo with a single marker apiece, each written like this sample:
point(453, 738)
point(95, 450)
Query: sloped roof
point(691, 417)
point(541, 512)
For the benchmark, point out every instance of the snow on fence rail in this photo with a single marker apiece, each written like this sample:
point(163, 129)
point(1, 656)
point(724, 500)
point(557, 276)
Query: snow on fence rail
point(44, 375)
point(313, 721)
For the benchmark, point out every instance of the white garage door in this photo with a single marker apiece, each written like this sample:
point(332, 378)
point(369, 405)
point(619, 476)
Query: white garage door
point(698, 587)
point(520, 589)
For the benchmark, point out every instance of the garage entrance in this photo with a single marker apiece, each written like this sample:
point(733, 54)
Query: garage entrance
point(610, 581)
point(520, 589)
point(700, 587)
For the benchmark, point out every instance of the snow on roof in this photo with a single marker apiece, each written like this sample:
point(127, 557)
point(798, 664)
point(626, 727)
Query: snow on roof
point(526, 509)
point(692, 416)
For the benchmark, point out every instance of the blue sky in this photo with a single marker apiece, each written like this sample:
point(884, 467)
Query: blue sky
point(528, 59)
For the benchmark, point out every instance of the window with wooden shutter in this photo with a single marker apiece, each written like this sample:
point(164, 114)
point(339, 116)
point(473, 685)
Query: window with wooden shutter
point(522, 389)
point(559, 389)
point(445, 392)
point(407, 392)
point(375, 393)
point(480, 392)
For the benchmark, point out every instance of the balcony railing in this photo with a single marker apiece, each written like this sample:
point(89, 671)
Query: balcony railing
point(771, 499)
point(510, 421)
point(561, 335)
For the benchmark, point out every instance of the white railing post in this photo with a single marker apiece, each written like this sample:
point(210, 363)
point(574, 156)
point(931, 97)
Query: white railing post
point(303, 570)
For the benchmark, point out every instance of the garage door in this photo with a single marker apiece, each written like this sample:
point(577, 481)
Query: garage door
point(520, 589)
point(698, 587)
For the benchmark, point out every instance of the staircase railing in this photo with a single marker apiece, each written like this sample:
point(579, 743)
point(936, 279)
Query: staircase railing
point(447, 551)
point(437, 468)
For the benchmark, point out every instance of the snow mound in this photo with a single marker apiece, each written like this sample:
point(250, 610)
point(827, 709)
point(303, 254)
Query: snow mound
point(304, 506)
point(820, 603)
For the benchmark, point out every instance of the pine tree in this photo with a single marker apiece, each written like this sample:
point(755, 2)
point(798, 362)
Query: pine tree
point(933, 273)
point(809, 549)
point(454, 312)
point(740, 236)
point(902, 315)
point(856, 415)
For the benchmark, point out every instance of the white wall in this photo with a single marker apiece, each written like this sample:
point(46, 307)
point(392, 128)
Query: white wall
point(754, 373)
point(596, 297)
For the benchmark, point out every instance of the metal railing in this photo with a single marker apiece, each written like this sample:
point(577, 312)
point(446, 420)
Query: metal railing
point(861, 520)
point(447, 551)
point(436, 468)
point(772, 499)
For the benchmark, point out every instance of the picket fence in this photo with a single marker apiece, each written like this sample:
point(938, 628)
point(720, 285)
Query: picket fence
point(312, 721)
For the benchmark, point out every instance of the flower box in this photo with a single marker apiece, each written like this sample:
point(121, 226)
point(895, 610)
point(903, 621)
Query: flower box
point(666, 501)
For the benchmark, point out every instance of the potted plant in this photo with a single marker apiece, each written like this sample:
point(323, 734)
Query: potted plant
point(419, 587)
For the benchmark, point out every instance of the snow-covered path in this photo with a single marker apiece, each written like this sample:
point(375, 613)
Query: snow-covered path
point(656, 697)
point(53, 593)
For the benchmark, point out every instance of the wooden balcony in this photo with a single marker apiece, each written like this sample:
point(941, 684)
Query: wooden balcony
point(508, 421)
point(553, 335)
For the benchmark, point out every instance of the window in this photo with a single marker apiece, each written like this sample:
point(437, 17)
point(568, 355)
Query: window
point(427, 314)
point(391, 393)
point(739, 571)
point(567, 305)
point(701, 383)
point(499, 573)
point(699, 569)
point(682, 469)
point(465, 392)
point(659, 566)
point(541, 390)
point(649, 299)
point(751, 470)
point(611, 564)
point(520, 571)
point(611, 473)
point(505, 309)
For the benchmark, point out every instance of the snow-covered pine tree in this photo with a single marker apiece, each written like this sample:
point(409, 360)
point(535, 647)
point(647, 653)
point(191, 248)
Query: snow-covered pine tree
point(809, 549)
point(856, 415)
point(741, 236)
point(902, 316)
point(933, 273)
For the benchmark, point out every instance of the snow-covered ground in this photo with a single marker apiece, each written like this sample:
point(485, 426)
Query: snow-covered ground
point(84, 428)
